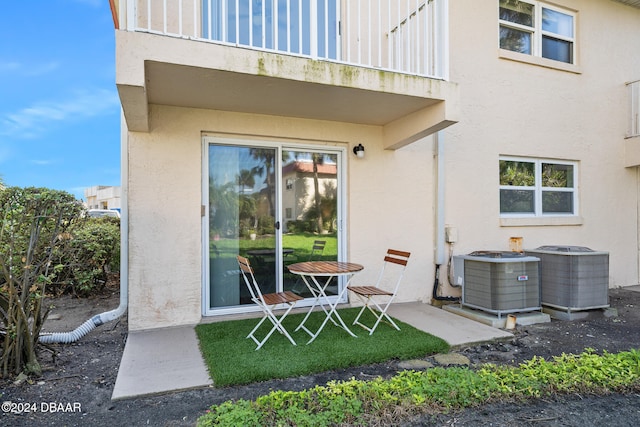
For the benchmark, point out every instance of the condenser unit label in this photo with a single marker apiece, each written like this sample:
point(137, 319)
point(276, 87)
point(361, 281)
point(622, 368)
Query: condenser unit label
point(523, 278)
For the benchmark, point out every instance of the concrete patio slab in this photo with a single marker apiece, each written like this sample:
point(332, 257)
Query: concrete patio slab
point(163, 360)
point(495, 321)
point(455, 330)
point(160, 360)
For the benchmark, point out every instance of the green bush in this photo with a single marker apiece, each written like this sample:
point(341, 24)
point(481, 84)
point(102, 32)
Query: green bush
point(438, 389)
point(299, 226)
point(47, 246)
point(266, 225)
point(92, 252)
point(35, 222)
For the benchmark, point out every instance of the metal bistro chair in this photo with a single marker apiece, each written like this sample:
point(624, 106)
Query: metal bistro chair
point(370, 295)
point(268, 303)
point(316, 250)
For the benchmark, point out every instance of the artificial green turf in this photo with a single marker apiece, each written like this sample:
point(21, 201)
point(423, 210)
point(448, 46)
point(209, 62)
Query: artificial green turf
point(232, 358)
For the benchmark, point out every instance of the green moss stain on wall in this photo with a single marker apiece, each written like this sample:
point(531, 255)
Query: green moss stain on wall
point(341, 75)
point(262, 69)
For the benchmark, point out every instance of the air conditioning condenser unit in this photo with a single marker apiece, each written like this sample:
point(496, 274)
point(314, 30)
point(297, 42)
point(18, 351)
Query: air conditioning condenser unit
point(500, 282)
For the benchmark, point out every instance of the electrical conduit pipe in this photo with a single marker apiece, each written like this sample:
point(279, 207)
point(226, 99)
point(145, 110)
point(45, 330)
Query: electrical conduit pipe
point(439, 255)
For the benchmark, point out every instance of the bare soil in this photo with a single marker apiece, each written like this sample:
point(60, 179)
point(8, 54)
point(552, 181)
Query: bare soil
point(78, 379)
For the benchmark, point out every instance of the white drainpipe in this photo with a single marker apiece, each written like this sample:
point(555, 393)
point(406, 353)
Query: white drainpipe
point(107, 316)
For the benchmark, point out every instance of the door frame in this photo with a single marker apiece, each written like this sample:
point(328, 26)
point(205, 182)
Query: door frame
point(279, 145)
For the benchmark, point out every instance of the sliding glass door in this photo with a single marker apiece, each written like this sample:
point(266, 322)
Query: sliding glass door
point(273, 204)
point(241, 206)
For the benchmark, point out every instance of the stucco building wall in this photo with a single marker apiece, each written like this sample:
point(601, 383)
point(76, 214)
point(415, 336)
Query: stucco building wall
point(521, 109)
point(389, 204)
point(507, 107)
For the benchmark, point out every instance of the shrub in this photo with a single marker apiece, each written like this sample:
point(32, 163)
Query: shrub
point(87, 258)
point(438, 389)
point(35, 221)
point(266, 225)
point(46, 245)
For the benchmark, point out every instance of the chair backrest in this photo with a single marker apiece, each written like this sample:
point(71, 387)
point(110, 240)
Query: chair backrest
point(394, 257)
point(317, 249)
point(249, 279)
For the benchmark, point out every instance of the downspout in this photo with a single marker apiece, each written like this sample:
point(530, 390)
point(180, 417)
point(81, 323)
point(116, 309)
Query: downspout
point(107, 316)
point(440, 232)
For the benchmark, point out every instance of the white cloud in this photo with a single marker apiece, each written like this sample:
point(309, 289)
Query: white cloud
point(33, 121)
point(9, 66)
point(43, 69)
point(43, 162)
point(29, 71)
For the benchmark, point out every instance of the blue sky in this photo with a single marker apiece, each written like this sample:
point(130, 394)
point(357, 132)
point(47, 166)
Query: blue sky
point(59, 108)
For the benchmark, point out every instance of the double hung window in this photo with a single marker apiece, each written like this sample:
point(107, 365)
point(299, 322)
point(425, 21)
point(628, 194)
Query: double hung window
point(537, 187)
point(537, 29)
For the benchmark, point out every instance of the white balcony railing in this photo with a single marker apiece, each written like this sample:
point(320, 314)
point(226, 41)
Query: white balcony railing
point(405, 36)
point(634, 109)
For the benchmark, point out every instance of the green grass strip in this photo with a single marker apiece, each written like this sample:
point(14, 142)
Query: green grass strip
point(232, 359)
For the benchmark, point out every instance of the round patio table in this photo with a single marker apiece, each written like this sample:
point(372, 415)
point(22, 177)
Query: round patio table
point(310, 271)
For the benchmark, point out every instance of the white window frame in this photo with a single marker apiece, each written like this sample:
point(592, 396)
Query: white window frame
point(634, 109)
point(537, 33)
point(340, 152)
point(538, 189)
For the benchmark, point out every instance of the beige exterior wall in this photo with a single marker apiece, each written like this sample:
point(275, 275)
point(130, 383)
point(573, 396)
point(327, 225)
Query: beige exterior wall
point(522, 109)
point(389, 204)
point(508, 107)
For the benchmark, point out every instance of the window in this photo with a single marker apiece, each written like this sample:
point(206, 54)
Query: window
point(537, 187)
point(634, 109)
point(537, 29)
point(289, 184)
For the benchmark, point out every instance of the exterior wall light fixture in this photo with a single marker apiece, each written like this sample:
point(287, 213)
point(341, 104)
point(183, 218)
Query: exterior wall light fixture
point(358, 150)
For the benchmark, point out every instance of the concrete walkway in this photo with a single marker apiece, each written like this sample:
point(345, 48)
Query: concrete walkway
point(163, 360)
point(159, 361)
point(454, 329)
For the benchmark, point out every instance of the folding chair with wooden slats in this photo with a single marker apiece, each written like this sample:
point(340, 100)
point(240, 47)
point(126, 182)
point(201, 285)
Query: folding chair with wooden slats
point(316, 251)
point(394, 260)
point(268, 303)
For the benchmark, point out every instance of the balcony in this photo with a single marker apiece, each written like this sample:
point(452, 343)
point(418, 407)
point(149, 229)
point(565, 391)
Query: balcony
point(633, 3)
point(377, 62)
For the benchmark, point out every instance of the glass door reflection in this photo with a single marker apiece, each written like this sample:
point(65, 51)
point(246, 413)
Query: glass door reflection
point(309, 213)
point(242, 221)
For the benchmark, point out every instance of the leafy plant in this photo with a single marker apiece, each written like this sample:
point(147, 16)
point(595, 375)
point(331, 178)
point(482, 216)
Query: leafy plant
point(409, 392)
point(34, 222)
point(89, 256)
